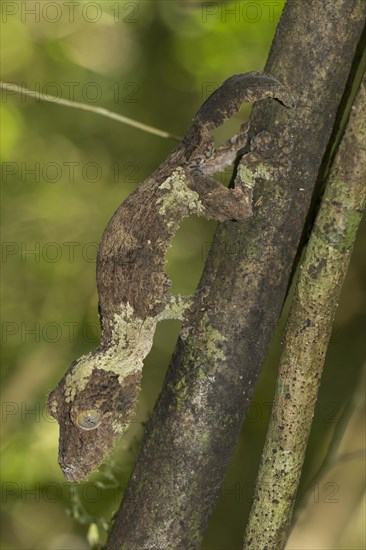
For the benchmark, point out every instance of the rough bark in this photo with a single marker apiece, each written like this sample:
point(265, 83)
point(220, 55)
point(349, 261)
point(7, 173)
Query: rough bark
point(209, 385)
point(307, 335)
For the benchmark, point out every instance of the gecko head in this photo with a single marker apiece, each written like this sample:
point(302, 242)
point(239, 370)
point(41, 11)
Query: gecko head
point(92, 418)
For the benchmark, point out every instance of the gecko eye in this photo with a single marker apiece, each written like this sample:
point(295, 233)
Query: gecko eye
point(89, 419)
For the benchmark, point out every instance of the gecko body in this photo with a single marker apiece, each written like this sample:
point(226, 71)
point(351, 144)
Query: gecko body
point(96, 398)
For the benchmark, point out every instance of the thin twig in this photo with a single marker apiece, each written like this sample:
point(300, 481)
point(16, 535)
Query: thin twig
point(91, 108)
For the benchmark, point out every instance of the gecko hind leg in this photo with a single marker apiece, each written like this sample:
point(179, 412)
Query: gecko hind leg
point(226, 155)
point(235, 203)
point(219, 202)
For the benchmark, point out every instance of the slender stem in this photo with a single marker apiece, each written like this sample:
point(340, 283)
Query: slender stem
point(91, 108)
point(307, 336)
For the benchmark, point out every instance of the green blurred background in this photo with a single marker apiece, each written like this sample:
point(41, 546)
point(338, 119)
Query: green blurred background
point(64, 173)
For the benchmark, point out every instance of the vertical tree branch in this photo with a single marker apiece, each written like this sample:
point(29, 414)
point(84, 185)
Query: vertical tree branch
point(196, 421)
point(307, 334)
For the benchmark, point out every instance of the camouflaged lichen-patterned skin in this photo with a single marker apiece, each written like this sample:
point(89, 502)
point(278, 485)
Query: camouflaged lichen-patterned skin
point(96, 398)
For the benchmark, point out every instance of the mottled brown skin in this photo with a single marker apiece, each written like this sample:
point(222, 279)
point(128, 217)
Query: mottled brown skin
point(130, 267)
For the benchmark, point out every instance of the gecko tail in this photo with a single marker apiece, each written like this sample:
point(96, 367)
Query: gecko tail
point(240, 88)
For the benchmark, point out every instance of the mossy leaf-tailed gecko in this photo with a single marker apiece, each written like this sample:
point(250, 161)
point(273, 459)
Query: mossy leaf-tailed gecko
point(96, 398)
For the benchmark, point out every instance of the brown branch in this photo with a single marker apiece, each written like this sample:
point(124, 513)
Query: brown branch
point(196, 421)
